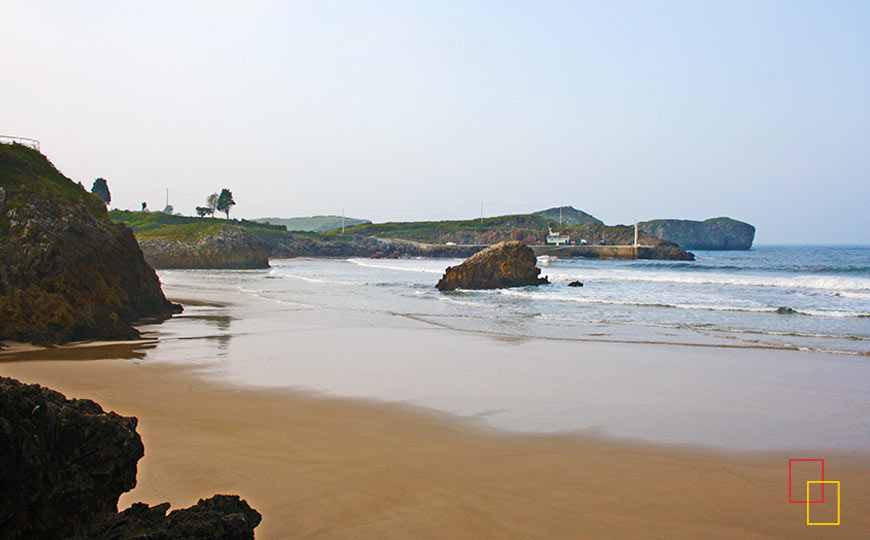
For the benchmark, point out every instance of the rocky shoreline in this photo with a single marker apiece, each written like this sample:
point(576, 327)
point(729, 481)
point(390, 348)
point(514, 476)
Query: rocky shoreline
point(64, 463)
point(68, 272)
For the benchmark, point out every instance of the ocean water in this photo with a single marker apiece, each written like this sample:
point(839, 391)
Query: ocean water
point(813, 298)
point(771, 344)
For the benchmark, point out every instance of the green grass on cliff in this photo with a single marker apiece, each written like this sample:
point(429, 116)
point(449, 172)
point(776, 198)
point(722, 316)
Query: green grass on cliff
point(313, 223)
point(430, 231)
point(160, 225)
point(25, 172)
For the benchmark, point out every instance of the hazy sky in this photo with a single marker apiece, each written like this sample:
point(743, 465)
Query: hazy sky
point(424, 110)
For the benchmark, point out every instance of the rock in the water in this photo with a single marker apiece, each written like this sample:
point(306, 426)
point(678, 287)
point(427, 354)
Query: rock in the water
point(66, 271)
point(63, 463)
point(506, 264)
point(712, 234)
point(576, 284)
point(223, 517)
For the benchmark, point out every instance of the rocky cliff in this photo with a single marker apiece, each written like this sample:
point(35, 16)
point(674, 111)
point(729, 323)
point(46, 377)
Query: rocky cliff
point(507, 264)
point(65, 462)
point(66, 271)
point(712, 234)
point(228, 247)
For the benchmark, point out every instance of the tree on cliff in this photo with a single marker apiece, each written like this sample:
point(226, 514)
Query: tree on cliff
point(225, 201)
point(101, 190)
point(202, 211)
point(211, 203)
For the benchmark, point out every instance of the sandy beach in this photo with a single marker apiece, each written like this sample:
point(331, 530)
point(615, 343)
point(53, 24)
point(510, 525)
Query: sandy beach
point(318, 465)
point(335, 468)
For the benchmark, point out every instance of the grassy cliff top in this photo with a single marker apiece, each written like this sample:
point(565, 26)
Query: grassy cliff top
point(313, 223)
point(160, 225)
point(25, 171)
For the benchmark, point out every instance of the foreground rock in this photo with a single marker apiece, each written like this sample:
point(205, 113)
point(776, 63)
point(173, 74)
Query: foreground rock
point(227, 247)
point(66, 271)
point(65, 462)
point(223, 517)
point(712, 234)
point(507, 264)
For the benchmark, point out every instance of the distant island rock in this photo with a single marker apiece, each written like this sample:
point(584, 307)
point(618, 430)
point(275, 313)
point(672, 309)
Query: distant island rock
point(65, 462)
point(721, 233)
point(313, 223)
point(66, 271)
point(506, 264)
point(569, 215)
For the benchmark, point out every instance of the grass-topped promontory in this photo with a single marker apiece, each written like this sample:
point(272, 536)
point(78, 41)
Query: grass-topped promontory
point(24, 172)
point(172, 227)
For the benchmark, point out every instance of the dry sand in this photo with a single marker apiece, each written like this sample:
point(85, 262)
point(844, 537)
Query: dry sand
point(344, 469)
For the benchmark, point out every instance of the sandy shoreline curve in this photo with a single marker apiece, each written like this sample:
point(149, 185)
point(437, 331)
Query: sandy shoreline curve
point(340, 468)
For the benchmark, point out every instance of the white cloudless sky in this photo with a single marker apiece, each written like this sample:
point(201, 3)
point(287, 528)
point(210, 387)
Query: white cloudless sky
point(424, 110)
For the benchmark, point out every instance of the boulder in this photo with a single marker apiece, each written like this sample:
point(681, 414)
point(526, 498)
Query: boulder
point(506, 264)
point(576, 284)
point(223, 517)
point(63, 463)
point(66, 271)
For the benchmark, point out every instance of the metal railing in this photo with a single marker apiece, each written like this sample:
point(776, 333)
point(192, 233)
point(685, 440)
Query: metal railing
point(26, 141)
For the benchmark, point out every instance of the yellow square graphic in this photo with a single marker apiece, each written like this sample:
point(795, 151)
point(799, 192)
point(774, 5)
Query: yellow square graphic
point(838, 500)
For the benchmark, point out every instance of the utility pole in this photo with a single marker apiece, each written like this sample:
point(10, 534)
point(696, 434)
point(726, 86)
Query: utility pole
point(342, 221)
point(167, 196)
point(560, 216)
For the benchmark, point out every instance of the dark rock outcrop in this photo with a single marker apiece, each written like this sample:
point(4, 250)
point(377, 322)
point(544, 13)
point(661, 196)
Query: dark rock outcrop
point(63, 463)
point(507, 264)
point(66, 271)
point(576, 284)
point(223, 517)
point(227, 247)
point(712, 234)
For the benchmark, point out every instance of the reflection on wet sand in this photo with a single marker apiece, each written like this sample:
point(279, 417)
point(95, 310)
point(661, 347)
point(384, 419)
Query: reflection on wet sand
point(83, 351)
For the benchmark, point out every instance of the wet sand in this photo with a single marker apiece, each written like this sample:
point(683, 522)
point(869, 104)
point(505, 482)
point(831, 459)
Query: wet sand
point(336, 468)
point(325, 467)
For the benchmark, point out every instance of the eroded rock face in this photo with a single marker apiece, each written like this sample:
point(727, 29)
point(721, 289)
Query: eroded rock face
point(229, 247)
point(506, 264)
point(63, 463)
point(712, 234)
point(66, 271)
point(223, 517)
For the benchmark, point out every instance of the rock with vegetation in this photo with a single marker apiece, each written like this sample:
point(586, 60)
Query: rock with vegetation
point(568, 215)
point(506, 264)
point(66, 271)
point(712, 234)
point(314, 223)
point(223, 517)
point(63, 463)
point(226, 247)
